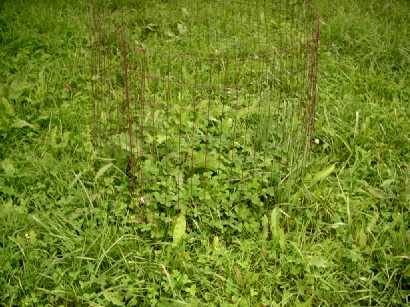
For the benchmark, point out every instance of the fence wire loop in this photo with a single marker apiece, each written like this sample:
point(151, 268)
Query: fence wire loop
point(201, 91)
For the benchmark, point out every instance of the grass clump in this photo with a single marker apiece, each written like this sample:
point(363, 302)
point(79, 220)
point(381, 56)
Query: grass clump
point(71, 235)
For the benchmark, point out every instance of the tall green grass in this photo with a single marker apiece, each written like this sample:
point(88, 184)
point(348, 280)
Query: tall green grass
point(70, 234)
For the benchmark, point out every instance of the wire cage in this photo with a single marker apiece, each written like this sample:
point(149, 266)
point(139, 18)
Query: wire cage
point(187, 93)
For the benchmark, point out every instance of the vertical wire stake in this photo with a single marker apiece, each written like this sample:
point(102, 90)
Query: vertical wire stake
point(313, 69)
point(127, 102)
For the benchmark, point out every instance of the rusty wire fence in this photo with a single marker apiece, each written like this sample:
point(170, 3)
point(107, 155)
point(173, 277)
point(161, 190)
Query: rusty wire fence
point(188, 93)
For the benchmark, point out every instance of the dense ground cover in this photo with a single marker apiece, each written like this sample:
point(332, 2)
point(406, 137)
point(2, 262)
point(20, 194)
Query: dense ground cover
point(70, 234)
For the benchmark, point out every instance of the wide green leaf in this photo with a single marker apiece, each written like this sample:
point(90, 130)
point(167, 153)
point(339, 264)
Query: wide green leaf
point(321, 175)
point(179, 229)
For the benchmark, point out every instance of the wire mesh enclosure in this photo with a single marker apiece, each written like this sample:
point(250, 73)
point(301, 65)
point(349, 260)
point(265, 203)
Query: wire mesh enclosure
point(191, 93)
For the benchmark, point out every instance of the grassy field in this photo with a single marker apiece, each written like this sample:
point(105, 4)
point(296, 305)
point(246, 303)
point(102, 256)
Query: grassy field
point(70, 234)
